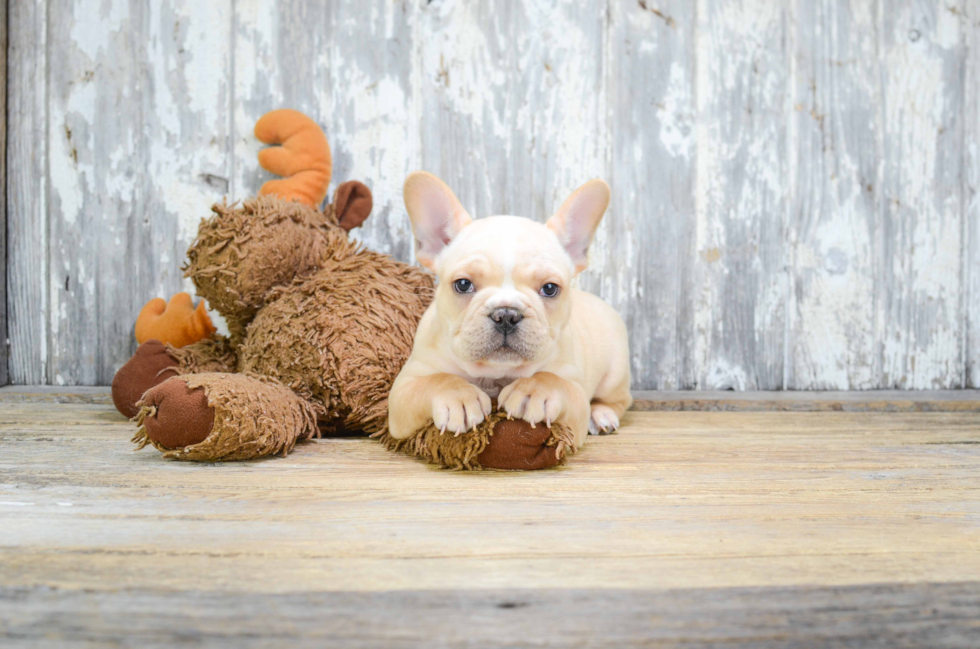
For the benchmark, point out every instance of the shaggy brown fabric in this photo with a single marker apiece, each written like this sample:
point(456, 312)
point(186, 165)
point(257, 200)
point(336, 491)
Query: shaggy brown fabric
point(214, 354)
point(253, 417)
point(497, 443)
point(352, 204)
point(340, 336)
point(180, 416)
point(241, 253)
point(151, 365)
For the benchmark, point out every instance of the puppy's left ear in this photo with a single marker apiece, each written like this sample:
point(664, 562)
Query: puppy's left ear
point(352, 203)
point(576, 220)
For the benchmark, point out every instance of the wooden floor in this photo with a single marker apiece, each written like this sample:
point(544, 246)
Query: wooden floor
point(733, 528)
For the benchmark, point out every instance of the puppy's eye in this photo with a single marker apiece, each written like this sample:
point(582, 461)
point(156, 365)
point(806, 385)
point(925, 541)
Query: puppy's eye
point(463, 286)
point(550, 289)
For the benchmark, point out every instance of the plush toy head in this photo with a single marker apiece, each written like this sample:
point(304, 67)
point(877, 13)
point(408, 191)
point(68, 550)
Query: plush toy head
point(241, 253)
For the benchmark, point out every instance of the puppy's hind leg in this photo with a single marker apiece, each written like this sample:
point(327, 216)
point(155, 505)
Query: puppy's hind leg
point(612, 397)
point(608, 406)
point(604, 420)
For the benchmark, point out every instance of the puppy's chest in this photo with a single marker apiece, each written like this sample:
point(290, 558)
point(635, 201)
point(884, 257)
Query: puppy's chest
point(492, 386)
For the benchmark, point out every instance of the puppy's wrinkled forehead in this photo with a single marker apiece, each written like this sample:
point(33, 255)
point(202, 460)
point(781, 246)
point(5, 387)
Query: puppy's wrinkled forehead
point(497, 245)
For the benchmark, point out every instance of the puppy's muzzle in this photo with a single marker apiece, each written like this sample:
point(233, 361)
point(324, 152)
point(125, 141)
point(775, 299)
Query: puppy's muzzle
point(506, 319)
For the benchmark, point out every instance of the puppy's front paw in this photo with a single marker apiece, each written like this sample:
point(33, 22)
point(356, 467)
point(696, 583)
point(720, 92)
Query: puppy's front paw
point(460, 408)
point(603, 420)
point(532, 400)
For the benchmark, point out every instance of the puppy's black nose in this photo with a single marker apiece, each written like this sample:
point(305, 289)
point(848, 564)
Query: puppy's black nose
point(505, 319)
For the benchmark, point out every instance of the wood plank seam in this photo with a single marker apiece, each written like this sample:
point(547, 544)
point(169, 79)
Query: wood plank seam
point(4, 344)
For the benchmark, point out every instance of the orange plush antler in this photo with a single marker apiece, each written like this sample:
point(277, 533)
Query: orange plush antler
point(177, 323)
point(304, 156)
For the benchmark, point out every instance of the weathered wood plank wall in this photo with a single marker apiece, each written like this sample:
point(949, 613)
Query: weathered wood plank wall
point(795, 182)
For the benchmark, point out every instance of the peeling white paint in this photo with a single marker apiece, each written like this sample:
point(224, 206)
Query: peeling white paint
point(721, 375)
point(675, 124)
point(89, 21)
point(375, 139)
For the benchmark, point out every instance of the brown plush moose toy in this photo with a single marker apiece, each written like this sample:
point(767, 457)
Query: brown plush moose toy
point(319, 328)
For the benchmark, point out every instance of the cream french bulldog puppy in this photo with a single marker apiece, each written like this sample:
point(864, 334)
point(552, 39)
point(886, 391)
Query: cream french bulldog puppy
point(506, 322)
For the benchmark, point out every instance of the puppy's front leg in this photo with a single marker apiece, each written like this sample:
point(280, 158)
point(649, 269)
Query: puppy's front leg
point(450, 402)
point(546, 397)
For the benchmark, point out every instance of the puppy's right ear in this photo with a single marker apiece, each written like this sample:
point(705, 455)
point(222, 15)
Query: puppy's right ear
point(437, 215)
point(576, 220)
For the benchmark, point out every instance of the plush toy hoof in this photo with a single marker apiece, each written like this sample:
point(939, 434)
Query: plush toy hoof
point(179, 415)
point(516, 446)
point(497, 443)
point(151, 365)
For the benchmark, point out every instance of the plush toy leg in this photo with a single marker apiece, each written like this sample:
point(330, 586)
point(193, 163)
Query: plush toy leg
point(153, 363)
point(214, 416)
point(498, 443)
point(149, 366)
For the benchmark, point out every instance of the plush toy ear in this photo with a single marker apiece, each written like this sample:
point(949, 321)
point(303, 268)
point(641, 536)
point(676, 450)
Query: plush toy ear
point(437, 215)
point(577, 219)
point(352, 203)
